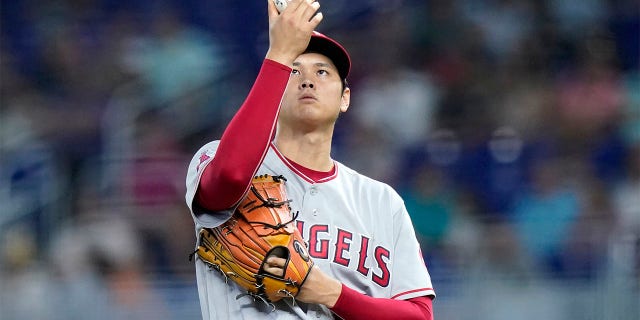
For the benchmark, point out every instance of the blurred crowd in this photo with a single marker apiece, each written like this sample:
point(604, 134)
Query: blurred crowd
point(510, 127)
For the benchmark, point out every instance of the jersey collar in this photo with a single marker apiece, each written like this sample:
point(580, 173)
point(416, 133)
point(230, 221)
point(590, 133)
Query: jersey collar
point(310, 175)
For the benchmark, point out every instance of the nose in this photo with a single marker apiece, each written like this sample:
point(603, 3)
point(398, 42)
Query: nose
point(306, 84)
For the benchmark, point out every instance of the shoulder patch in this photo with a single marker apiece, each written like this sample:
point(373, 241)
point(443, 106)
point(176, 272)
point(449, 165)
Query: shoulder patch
point(203, 157)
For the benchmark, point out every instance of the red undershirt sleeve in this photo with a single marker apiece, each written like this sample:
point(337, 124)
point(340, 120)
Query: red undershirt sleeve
point(352, 305)
point(245, 141)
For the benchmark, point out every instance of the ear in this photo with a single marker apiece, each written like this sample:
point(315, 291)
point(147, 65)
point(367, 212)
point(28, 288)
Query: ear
point(345, 100)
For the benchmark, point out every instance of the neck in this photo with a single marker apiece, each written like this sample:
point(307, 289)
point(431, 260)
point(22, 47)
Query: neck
point(312, 150)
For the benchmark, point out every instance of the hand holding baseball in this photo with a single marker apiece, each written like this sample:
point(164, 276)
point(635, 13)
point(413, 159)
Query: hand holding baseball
point(290, 31)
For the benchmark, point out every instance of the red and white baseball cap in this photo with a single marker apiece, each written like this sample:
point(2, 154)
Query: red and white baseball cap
point(324, 45)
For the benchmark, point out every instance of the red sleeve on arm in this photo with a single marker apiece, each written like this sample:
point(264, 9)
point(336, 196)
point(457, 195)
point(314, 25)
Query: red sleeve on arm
point(245, 141)
point(352, 305)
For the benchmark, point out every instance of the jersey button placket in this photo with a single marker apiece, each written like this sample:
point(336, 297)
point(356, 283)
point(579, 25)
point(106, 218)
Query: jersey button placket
point(313, 190)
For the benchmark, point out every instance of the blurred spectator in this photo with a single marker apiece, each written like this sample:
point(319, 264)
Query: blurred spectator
point(24, 282)
point(583, 253)
point(502, 274)
point(151, 184)
point(544, 214)
point(503, 24)
point(99, 261)
point(497, 171)
point(153, 177)
point(607, 154)
point(591, 96)
point(573, 17)
point(369, 150)
point(176, 59)
point(630, 118)
point(431, 207)
point(444, 224)
point(30, 173)
point(625, 196)
point(624, 23)
point(396, 99)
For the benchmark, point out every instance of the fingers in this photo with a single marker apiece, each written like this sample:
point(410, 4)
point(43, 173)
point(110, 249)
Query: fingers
point(316, 16)
point(271, 6)
point(306, 11)
point(316, 19)
point(276, 262)
point(305, 8)
point(275, 266)
point(272, 10)
point(290, 31)
point(311, 13)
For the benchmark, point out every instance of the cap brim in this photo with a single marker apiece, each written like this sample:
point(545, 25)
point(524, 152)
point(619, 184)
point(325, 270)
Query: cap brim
point(322, 44)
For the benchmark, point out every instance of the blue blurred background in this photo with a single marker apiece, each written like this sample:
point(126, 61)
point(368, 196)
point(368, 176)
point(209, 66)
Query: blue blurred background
point(510, 127)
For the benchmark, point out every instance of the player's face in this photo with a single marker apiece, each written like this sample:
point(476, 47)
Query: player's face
point(314, 93)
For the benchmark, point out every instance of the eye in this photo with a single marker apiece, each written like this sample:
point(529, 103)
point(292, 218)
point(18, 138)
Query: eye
point(323, 72)
point(295, 71)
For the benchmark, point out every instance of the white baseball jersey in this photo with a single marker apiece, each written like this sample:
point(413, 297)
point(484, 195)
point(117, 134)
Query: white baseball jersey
point(357, 228)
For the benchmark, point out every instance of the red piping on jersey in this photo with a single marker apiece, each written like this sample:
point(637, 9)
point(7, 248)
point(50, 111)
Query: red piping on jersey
point(301, 174)
point(411, 291)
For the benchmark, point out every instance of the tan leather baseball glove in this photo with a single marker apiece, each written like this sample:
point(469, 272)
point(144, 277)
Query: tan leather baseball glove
point(262, 226)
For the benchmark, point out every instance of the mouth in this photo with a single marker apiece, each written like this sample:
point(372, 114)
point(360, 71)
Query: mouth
point(307, 97)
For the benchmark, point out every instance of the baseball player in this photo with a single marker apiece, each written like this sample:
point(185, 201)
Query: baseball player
point(368, 263)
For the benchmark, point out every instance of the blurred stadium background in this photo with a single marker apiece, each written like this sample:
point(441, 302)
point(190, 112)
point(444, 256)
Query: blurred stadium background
point(511, 128)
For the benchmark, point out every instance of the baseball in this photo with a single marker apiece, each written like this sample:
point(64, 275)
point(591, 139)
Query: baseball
point(281, 4)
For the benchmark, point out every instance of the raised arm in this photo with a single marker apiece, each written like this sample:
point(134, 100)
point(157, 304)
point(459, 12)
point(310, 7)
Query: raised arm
point(245, 141)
